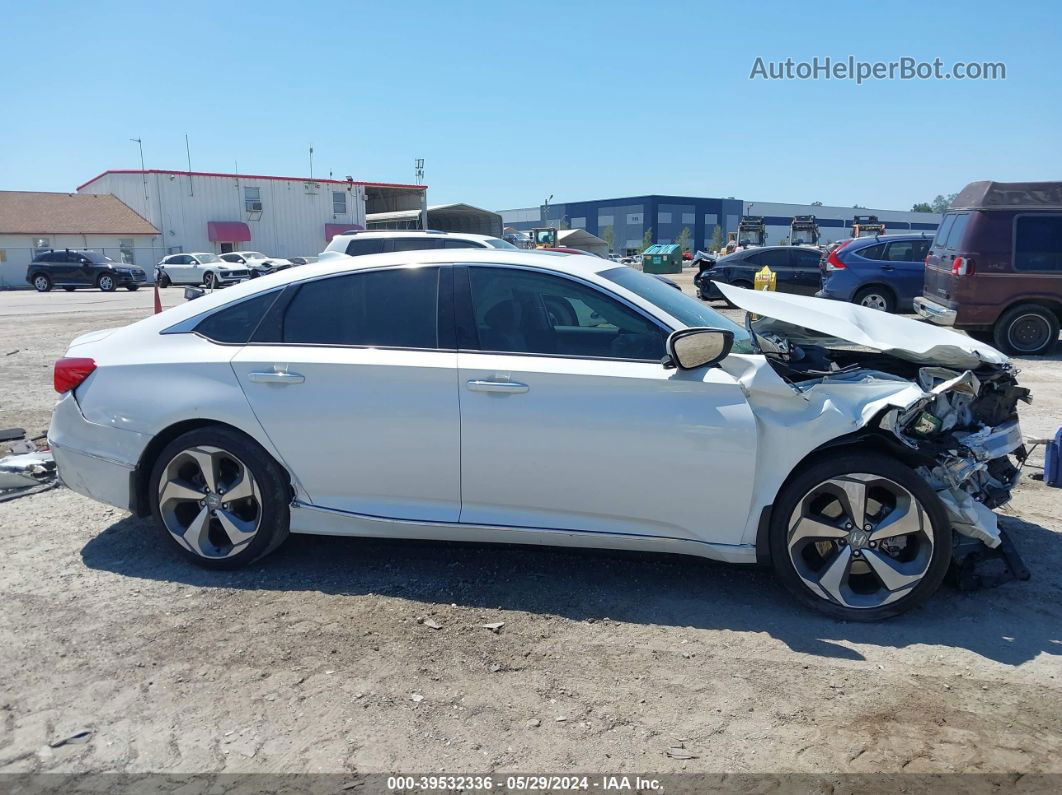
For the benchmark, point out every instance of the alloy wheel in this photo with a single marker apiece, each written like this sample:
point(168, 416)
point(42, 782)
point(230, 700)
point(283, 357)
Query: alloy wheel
point(874, 301)
point(106, 283)
point(210, 502)
point(41, 283)
point(1028, 333)
point(860, 540)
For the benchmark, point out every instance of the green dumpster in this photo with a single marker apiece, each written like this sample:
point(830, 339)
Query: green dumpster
point(662, 258)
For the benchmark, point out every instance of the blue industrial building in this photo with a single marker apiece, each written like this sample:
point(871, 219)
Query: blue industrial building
point(623, 222)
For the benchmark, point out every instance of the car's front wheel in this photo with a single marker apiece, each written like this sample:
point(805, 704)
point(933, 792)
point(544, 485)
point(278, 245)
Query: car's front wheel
point(106, 283)
point(860, 537)
point(210, 281)
point(220, 498)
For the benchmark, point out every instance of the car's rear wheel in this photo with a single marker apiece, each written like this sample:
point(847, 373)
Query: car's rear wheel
point(132, 287)
point(69, 289)
point(164, 280)
point(210, 281)
point(860, 537)
point(1026, 330)
point(42, 283)
point(106, 283)
point(876, 298)
point(220, 498)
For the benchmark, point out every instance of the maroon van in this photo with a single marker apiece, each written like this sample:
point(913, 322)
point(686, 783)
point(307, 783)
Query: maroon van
point(995, 266)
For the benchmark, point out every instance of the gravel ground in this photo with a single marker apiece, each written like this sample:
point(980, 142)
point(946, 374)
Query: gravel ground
point(324, 657)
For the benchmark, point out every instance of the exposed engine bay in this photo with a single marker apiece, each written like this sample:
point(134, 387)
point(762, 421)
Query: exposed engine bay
point(958, 428)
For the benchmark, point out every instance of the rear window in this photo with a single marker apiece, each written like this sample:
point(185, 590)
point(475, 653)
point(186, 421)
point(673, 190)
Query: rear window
point(236, 323)
point(1038, 243)
point(361, 246)
point(958, 229)
point(872, 252)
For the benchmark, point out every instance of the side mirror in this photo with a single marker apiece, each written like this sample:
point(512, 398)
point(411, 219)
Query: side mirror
point(690, 348)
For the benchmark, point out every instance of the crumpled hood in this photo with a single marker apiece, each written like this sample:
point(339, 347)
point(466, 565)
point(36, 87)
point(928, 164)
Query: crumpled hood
point(902, 337)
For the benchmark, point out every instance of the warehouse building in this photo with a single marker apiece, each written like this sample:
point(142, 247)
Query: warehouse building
point(629, 224)
point(33, 222)
point(280, 216)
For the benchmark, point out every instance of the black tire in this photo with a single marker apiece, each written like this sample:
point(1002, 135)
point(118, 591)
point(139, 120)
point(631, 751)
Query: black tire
point(164, 280)
point(42, 283)
point(883, 298)
point(132, 287)
point(273, 486)
point(804, 482)
point(69, 289)
point(106, 283)
point(210, 281)
point(1026, 330)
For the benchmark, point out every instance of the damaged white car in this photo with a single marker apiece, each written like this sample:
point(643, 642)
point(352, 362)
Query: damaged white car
point(531, 398)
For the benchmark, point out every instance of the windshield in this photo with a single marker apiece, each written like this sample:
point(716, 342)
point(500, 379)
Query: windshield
point(207, 258)
point(253, 255)
point(689, 311)
point(92, 256)
point(497, 242)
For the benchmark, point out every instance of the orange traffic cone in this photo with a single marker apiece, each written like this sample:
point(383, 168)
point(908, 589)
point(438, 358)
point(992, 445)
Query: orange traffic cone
point(158, 298)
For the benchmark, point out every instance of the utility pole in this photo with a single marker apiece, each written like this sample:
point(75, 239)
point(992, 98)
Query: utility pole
point(545, 211)
point(419, 175)
point(311, 162)
point(188, 152)
point(143, 171)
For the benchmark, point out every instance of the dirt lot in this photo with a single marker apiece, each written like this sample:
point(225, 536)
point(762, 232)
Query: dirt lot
point(314, 660)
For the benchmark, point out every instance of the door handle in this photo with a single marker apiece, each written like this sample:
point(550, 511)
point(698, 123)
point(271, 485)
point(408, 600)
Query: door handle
point(277, 378)
point(508, 387)
point(887, 267)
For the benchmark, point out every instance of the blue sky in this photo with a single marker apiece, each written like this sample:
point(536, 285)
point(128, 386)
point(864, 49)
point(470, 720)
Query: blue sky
point(511, 102)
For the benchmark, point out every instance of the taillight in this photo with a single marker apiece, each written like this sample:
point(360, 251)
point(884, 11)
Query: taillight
point(833, 262)
point(962, 266)
point(69, 373)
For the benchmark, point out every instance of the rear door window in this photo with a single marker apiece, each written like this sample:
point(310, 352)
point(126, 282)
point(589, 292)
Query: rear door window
point(773, 258)
point(395, 308)
point(806, 258)
point(1038, 243)
point(415, 243)
point(901, 251)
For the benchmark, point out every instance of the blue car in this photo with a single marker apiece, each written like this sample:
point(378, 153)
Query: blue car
point(883, 273)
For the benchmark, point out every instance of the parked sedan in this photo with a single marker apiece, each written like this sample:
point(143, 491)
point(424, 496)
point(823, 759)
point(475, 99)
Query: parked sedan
point(797, 269)
point(506, 396)
point(883, 273)
point(202, 268)
point(256, 262)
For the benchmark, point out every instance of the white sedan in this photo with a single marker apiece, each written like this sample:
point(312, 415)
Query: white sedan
point(515, 397)
point(256, 262)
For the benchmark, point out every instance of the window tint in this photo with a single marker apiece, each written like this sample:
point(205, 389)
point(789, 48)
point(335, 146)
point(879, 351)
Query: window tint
point(1038, 243)
point(388, 308)
point(460, 244)
point(236, 323)
point(957, 231)
point(773, 258)
point(415, 243)
point(365, 245)
point(806, 258)
point(872, 252)
point(921, 250)
point(521, 311)
point(944, 229)
point(902, 251)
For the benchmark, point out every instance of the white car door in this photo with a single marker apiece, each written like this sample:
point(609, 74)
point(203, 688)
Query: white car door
point(176, 268)
point(570, 421)
point(354, 378)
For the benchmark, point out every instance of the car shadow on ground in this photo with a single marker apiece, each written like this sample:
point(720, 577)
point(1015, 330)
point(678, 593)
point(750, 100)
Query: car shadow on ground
point(1010, 624)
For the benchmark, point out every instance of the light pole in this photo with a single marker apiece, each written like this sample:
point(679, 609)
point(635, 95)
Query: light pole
point(143, 171)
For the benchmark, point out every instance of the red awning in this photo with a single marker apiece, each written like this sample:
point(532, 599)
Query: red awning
point(331, 230)
point(228, 232)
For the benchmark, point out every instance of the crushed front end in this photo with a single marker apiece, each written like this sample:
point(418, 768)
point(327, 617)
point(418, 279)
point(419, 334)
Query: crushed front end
point(958, 428)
